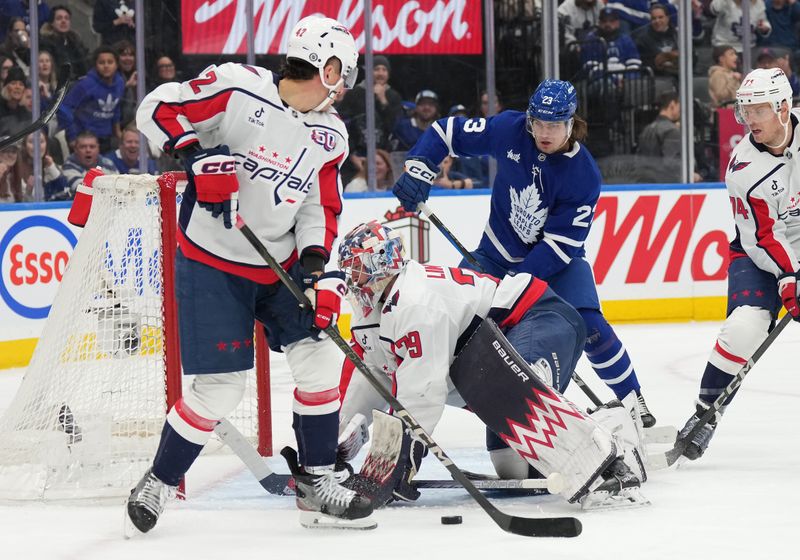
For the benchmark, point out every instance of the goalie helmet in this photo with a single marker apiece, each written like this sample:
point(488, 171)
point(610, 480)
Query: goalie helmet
point(763, 85)
point(370, 255)
point(316, 39)
point(553, 100)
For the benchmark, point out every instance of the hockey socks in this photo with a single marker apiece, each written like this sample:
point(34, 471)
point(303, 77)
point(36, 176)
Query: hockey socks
point(182, 439)
point(607, 355)
point(713, 383)
point(316, 438)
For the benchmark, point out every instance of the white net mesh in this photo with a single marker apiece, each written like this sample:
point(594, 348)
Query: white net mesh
point(88, 415)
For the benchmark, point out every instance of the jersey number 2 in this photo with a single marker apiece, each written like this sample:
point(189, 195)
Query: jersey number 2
point(206, 80)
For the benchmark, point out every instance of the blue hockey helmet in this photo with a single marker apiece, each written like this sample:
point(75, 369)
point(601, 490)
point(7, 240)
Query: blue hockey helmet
point(553, 100)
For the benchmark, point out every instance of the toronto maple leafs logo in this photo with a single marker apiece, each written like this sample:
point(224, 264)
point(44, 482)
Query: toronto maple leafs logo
point(527, 214)
point(736, 165)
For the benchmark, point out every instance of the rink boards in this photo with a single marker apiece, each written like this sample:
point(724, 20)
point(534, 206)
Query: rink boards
point(659, 252)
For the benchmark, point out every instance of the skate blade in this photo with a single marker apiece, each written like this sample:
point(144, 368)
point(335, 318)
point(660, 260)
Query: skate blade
point(660, 434)
point(626, 499)
point(317, 520)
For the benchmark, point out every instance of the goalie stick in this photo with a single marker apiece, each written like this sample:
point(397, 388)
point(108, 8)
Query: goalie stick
point(667, 459)
point(525, 526)
point(425, 209)
point(282, 484)
point(61, 92)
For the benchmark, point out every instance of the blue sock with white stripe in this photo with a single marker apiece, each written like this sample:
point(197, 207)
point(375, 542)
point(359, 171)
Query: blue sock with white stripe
point(607, 354)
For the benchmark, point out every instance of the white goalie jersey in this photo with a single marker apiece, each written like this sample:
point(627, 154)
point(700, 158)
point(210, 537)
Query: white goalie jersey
point(414, 336)
point(764, 190)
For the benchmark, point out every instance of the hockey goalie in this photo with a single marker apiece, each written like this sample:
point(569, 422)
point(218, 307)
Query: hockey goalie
point(504, 349)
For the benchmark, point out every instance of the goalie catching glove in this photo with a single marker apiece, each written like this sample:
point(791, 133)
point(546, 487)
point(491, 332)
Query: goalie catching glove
point(414, 185)
point(213, 174)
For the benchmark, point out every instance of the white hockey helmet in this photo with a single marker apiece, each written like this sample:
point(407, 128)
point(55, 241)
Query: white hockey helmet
point(763, 85)
point(316, 39)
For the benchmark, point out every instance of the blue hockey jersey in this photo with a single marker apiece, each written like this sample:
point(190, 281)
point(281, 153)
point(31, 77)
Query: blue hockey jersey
point(542, 205)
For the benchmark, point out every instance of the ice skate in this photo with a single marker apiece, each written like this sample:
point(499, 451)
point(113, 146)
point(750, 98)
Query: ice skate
point(620, 488)
point(324, 503)
point(648, 420)
point(146, 503)
point(695, 448)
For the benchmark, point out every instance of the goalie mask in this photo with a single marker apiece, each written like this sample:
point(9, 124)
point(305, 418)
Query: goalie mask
point(370, 255)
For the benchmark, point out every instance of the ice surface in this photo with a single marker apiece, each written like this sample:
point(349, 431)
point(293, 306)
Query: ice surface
point(740, 501)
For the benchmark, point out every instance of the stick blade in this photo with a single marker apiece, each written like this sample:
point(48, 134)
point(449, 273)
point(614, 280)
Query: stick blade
point(543, 527)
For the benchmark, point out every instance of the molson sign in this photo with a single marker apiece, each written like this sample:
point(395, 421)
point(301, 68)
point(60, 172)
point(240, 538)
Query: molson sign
point(399, 26)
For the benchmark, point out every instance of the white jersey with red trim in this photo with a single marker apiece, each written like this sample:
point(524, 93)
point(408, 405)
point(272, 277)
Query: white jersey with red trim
point(290, 191)
point(765, 196)
point(426, 318)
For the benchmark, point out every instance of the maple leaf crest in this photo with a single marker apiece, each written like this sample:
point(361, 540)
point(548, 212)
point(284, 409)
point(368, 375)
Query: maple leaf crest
point(527, 218)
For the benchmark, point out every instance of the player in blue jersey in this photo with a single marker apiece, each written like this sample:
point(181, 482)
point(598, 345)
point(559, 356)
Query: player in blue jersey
point(542, 206)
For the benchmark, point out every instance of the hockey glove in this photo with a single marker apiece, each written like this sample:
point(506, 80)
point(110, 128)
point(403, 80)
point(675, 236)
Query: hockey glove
point(213, 173)
point(787, 288)
point(325, 292)
point(414, 185)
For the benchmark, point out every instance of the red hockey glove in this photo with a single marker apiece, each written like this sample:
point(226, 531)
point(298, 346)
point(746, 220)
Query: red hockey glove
point(787, 288)
point(213, 172)
point(328, 290)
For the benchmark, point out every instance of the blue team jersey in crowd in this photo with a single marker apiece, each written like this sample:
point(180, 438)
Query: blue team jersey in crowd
point(542, 205)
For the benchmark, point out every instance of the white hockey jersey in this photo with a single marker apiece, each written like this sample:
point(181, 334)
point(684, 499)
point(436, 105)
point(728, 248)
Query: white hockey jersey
point(290, 191)
point(427, 317)
point(764, 190)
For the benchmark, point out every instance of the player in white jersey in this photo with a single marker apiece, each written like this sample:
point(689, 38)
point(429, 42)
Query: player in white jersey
point(764, 187)
point(425, 326)
point(267, 146)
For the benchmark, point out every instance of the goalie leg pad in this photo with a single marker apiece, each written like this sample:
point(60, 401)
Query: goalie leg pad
point(543, 427)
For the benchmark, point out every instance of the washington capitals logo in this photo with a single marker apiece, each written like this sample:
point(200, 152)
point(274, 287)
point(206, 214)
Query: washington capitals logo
point(736, 165)
point(547, 412)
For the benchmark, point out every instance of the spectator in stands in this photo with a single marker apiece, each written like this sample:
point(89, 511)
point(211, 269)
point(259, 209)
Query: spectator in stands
point(13, 114)
point(784, 17)
point(483, 104)
point(578, 18)
point(383, 174)
point(5, 65)
point(450, 179)
point(728, 25)
point(723, 79)
point(53, 179)
point(86, 156)
point(58, 37)
point(620, 51)
point(48, 81)
point(10, 182)
point(635, 14)
point(17, 45)
point(388, 108)
point(662, 138)
point(114, 21)
point(10, 9)
point(126, 157)
point(772, 58)
point(458, 110)
point(658, 43)
point(407, 131)
point(165, 71)
point(93, 103)
point(126, 52)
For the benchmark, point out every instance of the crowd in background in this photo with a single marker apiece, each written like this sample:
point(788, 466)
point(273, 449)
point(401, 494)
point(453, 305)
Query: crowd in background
point(599, 39)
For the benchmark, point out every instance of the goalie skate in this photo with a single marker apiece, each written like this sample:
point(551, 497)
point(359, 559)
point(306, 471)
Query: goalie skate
point(620, 489)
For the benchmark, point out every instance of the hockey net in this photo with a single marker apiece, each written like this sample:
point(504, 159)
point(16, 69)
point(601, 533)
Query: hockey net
point(88, 415)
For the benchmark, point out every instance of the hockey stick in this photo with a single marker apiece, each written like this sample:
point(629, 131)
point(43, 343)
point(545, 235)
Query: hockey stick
point(282, 485)
point(667, 459)
point(425, 209)
point(529, 527)
point(43, 119)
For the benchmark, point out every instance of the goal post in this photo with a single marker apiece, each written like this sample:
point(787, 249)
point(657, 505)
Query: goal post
point(87, 418)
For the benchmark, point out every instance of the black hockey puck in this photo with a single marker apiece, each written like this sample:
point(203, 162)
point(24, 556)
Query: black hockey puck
point(451, 520)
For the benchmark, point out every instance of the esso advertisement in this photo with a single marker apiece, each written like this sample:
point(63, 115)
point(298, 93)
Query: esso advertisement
point(34, 252)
